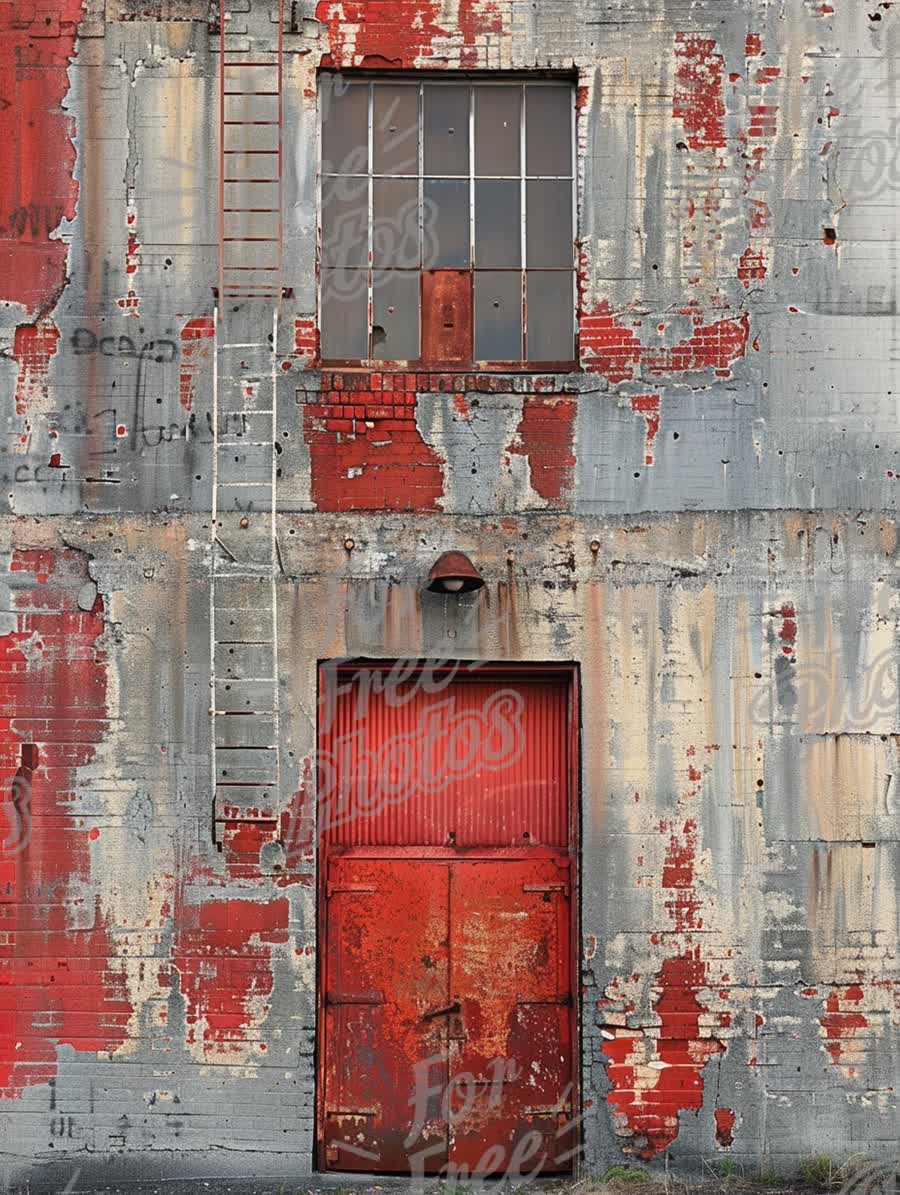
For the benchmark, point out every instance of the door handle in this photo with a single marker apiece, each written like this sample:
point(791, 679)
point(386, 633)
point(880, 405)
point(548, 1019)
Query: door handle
point(440, 1012)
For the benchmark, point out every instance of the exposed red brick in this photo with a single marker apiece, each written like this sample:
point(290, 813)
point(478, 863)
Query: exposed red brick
point(657, 1073)
point(842, 1020)
point(648, 406)
point(194, 349)
point(545, 436)
point(33, 346)
point(369, 454)
point(391, 34)
point(611, 348)
point(698, 99)
point(59, 984)
point(725, 1119)
point(37, 187)
point(223, 956)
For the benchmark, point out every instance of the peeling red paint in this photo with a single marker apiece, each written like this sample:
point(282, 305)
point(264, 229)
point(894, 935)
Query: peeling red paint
point(33, 346)
point(384, 34)
point(194, 349)
point(366, 452)
point(37, 187)
point(61, 984)
point(648, 406)
point(699, 82)
point(657, 1072)
point(546, 437)
point(223, 956)
point(725, 1119)
point(842, 1021)
point(611, 348)
point(306, 341)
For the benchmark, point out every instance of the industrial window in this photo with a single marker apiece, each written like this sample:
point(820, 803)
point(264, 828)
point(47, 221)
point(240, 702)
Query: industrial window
point(447, 221)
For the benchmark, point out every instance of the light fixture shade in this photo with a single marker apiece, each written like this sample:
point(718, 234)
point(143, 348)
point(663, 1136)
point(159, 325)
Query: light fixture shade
point(454, 572)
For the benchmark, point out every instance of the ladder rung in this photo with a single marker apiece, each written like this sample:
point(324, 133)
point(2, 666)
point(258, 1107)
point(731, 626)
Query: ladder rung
point(265, 240)
point(251, 93)
point(270, 210)
point(250, 122)
point(256, 269)
point(251, 180)
point(245, 485)
point(247, 152)
point(251, 63)
point(249, 344)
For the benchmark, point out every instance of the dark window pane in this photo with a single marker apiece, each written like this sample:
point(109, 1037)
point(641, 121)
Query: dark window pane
point(345, 221)
point(446, 129)
point(395, 129)
point(497, 130)
point(551, 324)
point(345, 314)
point(548, 130)
point(498, 224)
point(395, 319)
point(395, 233)
point(498, 316)
point(549, 225)
point(345, 125)
point(445, 223)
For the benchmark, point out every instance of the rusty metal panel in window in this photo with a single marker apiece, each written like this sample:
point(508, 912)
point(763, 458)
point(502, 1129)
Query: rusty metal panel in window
point(445, 222)
point(498, 224)
point(395, 315)
point(498, 315)
point(345, 314)
point(446, 129)
point(345, 125)
point(395, 223)
point(395, 129)
point(345, 221)
point(447, 316)
point(548, 130)
point(549, 239)
point(498, 118)
point(551, 318)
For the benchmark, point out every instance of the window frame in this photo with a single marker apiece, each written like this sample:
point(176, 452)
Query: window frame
point(471, 79)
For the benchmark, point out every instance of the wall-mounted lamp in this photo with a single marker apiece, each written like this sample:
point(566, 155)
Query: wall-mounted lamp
point(454, 572)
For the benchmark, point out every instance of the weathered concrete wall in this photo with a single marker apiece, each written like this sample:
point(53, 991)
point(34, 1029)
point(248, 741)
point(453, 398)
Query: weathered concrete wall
point(738, 226)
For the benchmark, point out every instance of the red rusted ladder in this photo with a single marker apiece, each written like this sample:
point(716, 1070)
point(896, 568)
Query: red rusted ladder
point(244, 703)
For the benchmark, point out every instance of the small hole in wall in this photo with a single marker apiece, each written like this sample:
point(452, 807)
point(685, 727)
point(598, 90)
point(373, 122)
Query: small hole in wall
point(675, 435)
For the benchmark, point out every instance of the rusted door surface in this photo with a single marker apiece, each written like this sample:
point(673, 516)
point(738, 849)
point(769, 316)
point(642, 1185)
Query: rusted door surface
point(386, 971)
point(448, 1003)
point(510, 1048)
point(447, 1023)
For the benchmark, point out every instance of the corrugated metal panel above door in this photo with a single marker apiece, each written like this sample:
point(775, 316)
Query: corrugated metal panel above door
point(482, 762)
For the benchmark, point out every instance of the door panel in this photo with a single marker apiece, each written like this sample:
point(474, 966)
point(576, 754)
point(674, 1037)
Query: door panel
point(386, 972)
point(510, 1066)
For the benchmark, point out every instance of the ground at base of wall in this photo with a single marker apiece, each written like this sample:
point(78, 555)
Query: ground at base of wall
point(816, 1176)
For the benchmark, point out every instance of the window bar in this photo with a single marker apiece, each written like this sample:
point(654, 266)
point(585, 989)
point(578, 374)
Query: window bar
point(573, 170)
point(523, 190)
point(420, 131)
point(473, 265)
point(370, 275)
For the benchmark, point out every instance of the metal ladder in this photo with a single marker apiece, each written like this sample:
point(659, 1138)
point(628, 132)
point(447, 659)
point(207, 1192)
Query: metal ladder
point(244, 564)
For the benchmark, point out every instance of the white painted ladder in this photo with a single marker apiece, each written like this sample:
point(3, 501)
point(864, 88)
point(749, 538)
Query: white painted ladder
point(244, 563)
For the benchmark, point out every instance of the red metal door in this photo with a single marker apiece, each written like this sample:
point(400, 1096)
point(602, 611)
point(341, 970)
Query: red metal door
point(386, 971)
point(510, 1049)
point(447, 1031)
